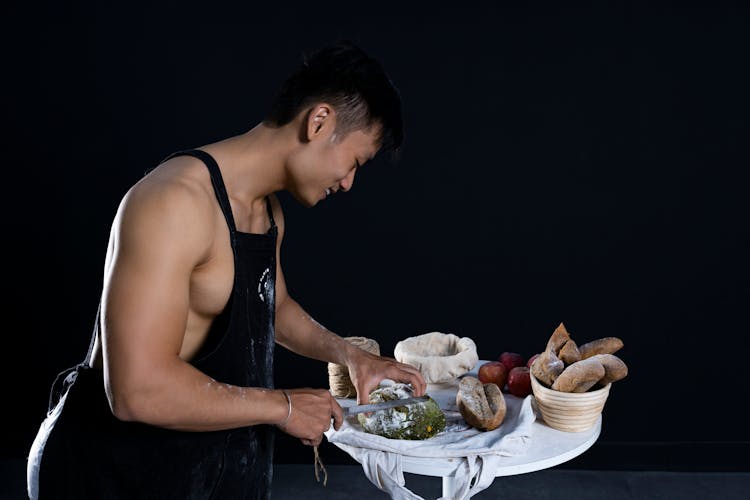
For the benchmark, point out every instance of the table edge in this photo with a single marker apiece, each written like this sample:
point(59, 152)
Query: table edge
point(448, 467)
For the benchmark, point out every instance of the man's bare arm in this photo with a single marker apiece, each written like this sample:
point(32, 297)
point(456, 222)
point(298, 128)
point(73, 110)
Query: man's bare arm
point(162, 232)
point(299, 332)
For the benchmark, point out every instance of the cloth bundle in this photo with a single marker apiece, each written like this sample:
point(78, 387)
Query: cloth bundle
point(481, 452)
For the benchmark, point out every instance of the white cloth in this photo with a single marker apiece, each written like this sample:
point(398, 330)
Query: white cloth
point(482, 452)
point(439, 357)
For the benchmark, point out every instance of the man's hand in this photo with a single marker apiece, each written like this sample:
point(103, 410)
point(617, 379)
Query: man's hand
point(367, 370)
point(312, 410)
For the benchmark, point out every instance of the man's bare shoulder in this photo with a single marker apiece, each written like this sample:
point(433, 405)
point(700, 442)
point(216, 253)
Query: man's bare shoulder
point(175, 199)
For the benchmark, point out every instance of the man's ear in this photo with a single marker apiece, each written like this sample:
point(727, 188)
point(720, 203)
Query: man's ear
point(320, 121)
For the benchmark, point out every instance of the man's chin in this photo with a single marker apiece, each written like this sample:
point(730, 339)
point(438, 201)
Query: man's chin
point(305, 202)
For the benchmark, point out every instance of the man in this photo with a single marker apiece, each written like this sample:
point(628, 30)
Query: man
point(175, 398)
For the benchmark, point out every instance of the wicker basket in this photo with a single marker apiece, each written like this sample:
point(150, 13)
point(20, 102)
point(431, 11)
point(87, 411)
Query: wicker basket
point(569, 411)
point(338, 375)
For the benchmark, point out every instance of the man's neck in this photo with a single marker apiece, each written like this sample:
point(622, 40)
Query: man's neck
point(253, 164)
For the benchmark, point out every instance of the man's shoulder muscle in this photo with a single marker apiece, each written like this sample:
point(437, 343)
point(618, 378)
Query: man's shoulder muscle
point(170, 205)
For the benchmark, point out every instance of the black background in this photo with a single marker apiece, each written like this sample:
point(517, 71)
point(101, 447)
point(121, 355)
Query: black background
point(583, 165)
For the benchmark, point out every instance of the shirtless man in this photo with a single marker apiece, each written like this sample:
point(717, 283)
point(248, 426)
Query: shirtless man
point(175, 398)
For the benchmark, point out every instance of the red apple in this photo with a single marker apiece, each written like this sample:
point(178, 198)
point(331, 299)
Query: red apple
point(511, 360)
point(493, 372)
point(531, 360)
point(519, 381)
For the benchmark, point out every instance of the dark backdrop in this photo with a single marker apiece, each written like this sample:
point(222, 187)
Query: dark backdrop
point(587, 166)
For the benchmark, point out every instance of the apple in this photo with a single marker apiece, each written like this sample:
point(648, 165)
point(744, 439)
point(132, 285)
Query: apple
point(519, 381)
point(511, 360)
point(531, 360)
point(493, 372)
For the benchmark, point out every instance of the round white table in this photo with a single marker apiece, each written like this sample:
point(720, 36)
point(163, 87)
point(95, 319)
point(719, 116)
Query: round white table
point(547, 447)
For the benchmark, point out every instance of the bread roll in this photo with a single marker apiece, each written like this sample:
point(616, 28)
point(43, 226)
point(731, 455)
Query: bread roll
point(558, 339)
point(482, 406)
point(569, 353)
point(606, 345)
point(614, 368)
point(547, 367)
point(580, 376)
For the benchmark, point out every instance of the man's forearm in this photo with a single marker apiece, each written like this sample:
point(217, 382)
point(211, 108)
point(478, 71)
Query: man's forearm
point(299, 332)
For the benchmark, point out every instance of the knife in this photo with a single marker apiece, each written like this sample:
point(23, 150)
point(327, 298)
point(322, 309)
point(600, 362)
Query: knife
point(353, 410)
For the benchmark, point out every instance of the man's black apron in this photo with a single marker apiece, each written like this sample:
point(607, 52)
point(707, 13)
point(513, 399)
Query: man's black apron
point(90, 454)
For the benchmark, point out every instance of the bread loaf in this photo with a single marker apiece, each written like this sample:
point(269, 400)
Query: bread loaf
point(558, 339)
point(415, 421)
point(547, 367)
point(580, 376)
point(614, 368)
point(481, 405)
point(569, 353)
point(606, 345)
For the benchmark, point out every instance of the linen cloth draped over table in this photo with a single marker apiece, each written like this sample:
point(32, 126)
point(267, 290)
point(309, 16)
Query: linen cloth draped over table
point(480, 453)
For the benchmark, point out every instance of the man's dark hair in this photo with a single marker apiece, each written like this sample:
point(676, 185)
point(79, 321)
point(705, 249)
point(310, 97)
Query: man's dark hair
point(355, 84)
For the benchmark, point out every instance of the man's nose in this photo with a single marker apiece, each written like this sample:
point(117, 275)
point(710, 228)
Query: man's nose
point(348, 181)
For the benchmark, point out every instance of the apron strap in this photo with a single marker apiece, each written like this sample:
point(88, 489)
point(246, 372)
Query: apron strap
point(216, 180)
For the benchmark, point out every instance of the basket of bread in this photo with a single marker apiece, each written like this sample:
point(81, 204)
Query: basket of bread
point(571, 382)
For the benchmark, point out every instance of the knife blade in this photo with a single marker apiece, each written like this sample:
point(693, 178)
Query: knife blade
point(353, 410)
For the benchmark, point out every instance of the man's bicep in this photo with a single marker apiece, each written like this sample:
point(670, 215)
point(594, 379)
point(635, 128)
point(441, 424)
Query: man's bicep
point(147, 285)
point(145, 304)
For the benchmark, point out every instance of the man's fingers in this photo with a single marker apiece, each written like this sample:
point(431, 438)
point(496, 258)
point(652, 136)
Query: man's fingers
point(408, 368)
point(312, 442)
point(411, 376)
point(417, 383)
point(338, 415)
point(363, 393)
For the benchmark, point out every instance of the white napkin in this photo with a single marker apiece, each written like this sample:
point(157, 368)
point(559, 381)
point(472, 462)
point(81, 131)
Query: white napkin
point(482, 452)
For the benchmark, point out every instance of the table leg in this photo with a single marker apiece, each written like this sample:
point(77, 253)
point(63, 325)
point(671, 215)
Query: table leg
point(449, 486)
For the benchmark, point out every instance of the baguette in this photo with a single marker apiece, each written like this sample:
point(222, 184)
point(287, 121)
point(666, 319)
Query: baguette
point(580, 376)
point(606, 345)
point(614, 368)
point(481, 405)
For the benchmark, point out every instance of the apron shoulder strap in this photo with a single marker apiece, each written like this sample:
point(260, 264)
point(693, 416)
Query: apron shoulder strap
point(217, 181)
